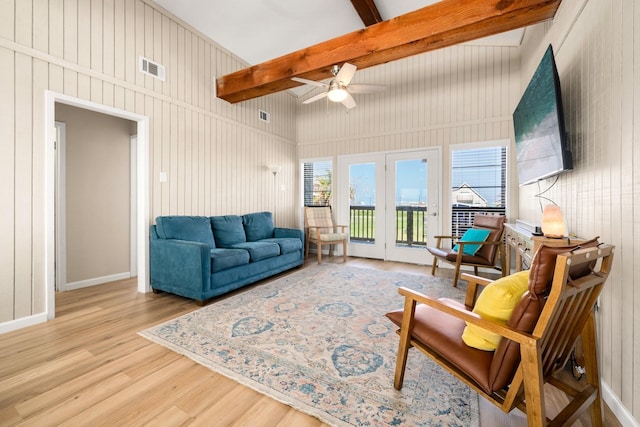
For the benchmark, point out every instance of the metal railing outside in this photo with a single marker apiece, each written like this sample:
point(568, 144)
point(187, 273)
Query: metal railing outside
point(411, 227)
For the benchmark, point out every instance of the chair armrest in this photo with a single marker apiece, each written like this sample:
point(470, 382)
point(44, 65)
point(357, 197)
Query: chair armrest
point(446, 237)
point(440, 238)
point(412, 297)
point(180, 264)
point(335, 227)
point(473, 282)
point(288, 232)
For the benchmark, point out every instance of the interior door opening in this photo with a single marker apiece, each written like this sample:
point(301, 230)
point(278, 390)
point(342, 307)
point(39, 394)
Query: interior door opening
point(141, 193)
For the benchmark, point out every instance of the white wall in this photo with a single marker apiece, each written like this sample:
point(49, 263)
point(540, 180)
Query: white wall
point(215, 154)
point(98, 194)
point(598, 56)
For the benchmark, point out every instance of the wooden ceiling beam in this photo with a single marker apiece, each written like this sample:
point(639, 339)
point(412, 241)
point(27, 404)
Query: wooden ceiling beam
point(367, 11)
point(443, 24)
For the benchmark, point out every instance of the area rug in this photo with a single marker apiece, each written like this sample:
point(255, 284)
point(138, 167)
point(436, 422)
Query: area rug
point(317, 340)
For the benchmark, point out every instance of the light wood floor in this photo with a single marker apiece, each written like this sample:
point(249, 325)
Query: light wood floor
point(90, 367)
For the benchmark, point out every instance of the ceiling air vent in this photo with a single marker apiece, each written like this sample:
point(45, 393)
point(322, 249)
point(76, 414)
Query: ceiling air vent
point(264, 116)
point(151, 68)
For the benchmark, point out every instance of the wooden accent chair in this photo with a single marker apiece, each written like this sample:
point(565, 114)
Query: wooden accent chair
point(563, 286)
point(491, 250)
point(320, 230)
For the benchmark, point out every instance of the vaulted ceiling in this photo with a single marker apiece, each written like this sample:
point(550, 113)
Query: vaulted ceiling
point(336, 31)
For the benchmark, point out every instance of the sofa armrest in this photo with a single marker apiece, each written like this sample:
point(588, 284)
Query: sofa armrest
point(180, 264)
point(289, 232)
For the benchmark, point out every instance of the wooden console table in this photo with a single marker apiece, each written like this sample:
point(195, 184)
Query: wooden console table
point(524, 245)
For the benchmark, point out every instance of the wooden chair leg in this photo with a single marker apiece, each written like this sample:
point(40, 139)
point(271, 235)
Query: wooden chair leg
point(591, 369)
point(456, 275)
point(434, 266)
point(531, 361)
point(319, 246)
point(405, 342)
point(306, 249)
point(331, 249)
point(344, 251)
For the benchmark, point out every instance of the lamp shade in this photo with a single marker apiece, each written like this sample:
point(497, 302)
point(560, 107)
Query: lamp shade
point(553, 222)
point(274, 169)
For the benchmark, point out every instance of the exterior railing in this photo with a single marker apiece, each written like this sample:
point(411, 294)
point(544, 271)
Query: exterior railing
point(411, 227)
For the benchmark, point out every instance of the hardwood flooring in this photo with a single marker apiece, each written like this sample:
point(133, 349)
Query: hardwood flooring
point(89, 366)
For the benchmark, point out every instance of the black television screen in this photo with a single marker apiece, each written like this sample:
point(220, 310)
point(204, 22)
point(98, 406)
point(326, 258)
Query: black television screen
point(538, 122)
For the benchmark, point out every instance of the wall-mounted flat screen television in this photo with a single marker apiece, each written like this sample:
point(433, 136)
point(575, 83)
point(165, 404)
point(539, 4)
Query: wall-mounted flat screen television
point(538, 121)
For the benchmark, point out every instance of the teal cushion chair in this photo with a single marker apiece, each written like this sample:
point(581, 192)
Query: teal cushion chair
point(481, 246)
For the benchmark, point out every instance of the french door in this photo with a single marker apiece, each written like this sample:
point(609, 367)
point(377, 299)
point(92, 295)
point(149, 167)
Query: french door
point(391, 203)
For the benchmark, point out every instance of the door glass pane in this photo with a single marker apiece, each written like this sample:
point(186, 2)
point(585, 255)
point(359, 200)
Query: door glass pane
point(362, 202)
point(411, 203)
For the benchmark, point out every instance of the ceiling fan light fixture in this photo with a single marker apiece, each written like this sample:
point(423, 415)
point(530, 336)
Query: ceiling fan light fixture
point(337, 95)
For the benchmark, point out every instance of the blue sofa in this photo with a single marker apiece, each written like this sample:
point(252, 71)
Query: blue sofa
point(202, 257)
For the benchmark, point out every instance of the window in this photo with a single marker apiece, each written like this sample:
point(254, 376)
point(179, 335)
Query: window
point(317, 186)
point(479, 184)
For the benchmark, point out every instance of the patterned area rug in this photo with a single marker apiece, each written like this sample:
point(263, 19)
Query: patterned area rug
point(317, 340)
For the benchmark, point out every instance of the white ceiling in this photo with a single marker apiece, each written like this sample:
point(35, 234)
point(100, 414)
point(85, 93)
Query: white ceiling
point(259, 30)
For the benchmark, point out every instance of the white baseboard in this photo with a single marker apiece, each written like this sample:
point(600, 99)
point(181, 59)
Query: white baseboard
point(23, 322)
point(622, 414)
point(97, 281)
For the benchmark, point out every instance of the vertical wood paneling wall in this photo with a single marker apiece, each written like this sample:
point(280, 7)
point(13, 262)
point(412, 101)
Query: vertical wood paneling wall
point(215, 154)
point(598, 56)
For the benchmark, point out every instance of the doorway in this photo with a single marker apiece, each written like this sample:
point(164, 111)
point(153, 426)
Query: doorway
point(141, 193)
point(94, 195)
point(391, 203)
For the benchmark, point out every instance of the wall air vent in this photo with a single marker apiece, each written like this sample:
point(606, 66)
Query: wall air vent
point(152, 68)
point(264, 116)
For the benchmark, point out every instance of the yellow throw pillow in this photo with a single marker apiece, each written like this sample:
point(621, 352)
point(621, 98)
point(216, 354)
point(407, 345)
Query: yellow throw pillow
point(496, 302)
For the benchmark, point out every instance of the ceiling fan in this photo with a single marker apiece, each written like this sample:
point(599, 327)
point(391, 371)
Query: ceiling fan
point(339, 89)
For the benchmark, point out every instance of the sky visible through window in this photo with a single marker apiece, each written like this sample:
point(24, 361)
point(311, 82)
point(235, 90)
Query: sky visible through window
point(482, 169)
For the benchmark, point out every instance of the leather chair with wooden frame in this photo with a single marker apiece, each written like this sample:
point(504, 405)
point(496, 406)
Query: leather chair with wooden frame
point(490, 253)
point(564, 284)
point(321, 231)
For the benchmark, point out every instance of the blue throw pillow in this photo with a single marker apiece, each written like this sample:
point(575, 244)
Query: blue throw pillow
point(192, 228)
point(473, 235)
point(228, 230)
point(258, 226)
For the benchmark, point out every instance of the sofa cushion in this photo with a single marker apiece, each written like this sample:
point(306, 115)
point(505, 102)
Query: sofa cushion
point(259, 250)
point(221, 258)
point(228, 230)
point(287, 244)
point(191, 228)
point(258, 226)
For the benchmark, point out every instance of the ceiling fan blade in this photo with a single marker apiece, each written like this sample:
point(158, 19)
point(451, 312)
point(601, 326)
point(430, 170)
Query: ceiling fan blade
point(309, 82)
point(349, 102)
point(346, 73)
point(366, 88)
point(315, 98)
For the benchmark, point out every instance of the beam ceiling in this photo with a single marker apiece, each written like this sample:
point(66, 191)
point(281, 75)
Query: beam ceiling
point(443, 24)
point(367, 11)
